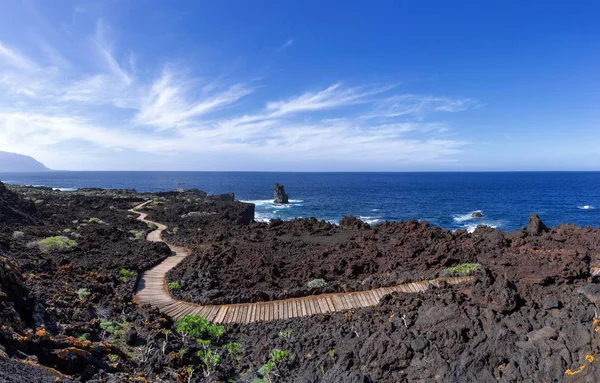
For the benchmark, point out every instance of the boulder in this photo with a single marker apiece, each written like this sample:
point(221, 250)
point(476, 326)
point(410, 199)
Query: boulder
point(536, 226)
point(476, 214)
point(280, 195)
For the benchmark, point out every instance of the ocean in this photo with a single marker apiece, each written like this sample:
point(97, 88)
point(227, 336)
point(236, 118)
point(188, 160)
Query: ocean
point(506, 199)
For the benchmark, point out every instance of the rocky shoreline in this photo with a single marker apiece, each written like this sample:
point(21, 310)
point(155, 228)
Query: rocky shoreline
point(70, 262)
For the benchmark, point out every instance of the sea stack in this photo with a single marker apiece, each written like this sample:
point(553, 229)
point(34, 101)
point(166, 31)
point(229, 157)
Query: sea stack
point(536, 226)
point(280, 196)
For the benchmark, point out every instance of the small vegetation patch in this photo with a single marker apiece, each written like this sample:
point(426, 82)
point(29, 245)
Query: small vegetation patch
point(174, 286)
point(136, 234)
point(17, 234)
point(316, 283)
point(269, 369)
point(111, 328)
point(125, 275)
point(197, 327)
point(58, 243)
point(95, 220)
point(462, 269)
point(83, 293)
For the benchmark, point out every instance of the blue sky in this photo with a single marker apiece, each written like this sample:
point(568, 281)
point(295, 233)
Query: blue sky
point(302, 85)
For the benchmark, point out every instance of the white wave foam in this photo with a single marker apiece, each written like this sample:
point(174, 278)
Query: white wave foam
point(370, 220)
point(270, 204)
point(64, 189)
point(586, 207)
point(466, 217)
point(375, 210)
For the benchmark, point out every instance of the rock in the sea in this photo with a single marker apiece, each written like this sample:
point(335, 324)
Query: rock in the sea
point(280, 196)
point(536, 226)
point(477, 214)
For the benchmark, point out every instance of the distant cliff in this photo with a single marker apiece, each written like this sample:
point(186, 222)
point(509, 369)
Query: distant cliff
point(13, 162)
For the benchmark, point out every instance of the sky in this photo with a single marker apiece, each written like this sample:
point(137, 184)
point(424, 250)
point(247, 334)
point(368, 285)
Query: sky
point(405, 85)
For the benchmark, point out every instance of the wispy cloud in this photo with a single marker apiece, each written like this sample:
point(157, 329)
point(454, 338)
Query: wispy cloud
point(10, 58)
point(51, 108)
point(288, 43)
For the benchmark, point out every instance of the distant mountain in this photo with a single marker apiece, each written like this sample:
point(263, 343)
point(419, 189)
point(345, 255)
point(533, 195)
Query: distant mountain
point(13, 162)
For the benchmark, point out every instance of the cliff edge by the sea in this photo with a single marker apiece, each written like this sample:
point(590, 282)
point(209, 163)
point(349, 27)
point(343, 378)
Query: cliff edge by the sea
point(13, 162)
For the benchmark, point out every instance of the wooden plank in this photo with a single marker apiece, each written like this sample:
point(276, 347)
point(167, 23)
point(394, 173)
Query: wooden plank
point(323, 305)
point(303, 308)
point(330, 303)
point(221, 314)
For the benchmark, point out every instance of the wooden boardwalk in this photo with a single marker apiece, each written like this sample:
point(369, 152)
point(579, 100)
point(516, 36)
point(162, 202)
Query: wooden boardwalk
point(152, 289)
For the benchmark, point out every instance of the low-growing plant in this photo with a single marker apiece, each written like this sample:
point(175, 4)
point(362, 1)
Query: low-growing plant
point(332, 353)
point(111, 327)
point(234, 349)
point(84, 337)
point(83, 293)
point(285, 333)
point(125, 275)
point(17, 234)
point(113, 357)
point(59, 243)
point(197, 327)
point(269, 369)
point(462, 269)
point(94, 220)
point(315, 283)
point(174, 286)
point(210, 359)
point(137, 234)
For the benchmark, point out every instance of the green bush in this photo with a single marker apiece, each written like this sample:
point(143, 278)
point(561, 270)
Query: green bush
point(462, 269)
point(197, 327)
point(210, 359)
point(234, 349)
point(276, 357)
point(60, 243)
point(125, 274)
point(94, 220)
point(315, 283)
point(137, 234)
point(111, 327)
point(17, 234)
point(174, 286)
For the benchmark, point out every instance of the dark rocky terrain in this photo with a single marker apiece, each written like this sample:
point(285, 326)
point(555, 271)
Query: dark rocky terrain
point(531, 314)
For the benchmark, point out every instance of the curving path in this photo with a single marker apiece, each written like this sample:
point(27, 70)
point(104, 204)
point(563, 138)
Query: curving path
point(152, 289)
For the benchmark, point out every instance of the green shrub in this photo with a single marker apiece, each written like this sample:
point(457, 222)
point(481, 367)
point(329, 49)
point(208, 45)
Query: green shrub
point(276, 357)
point(210, 359)
point(125, 274)
point(83, 293)
point(234, 349)
point(17, 234)
point(111, 327)
point(137, 234)
point(462, 269)
point(83, 337)
point(94, 220)
point(197, 327)
point(174, 286)
point(315, 283)
point(60, 243)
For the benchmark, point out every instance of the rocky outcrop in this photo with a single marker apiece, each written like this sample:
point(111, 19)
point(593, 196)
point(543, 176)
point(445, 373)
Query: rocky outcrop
point(14, 209)
point(476, 214)
point(536, 226)
point(280, 195)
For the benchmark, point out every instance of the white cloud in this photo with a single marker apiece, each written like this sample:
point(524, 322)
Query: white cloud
point(287, 44)
point(57, 111)
point(10, 58)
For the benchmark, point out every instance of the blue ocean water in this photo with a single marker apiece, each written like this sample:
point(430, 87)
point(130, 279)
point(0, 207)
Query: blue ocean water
point(444, 199)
